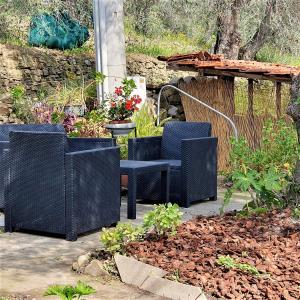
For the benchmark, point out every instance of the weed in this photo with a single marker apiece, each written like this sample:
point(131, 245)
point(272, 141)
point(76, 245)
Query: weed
point(68, 292)
point(164, 219)
point(229, 263)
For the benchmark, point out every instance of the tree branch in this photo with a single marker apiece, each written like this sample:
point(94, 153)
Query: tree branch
point(262, 35)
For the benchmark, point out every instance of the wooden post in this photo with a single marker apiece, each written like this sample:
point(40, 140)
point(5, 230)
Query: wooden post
point(250, 97)
point(250, 118)
point(278, 98)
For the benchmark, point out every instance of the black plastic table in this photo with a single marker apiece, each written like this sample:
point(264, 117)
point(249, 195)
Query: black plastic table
point(132, 168)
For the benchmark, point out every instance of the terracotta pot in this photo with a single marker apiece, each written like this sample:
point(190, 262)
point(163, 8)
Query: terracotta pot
point(120, 121)
point(124, 181)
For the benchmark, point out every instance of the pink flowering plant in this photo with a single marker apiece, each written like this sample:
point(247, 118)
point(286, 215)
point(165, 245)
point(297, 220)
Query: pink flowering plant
point(46, 114)
point(121, 105)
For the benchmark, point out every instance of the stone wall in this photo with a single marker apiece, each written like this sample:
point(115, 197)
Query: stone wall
point(38, 69)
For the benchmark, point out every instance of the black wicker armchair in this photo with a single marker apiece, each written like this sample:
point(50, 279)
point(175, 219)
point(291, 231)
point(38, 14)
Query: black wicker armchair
point(192, 155)
point(61, 186)
point(5, 129)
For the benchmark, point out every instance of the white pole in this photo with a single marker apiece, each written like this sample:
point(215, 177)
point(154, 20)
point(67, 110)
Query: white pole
point(100, 45)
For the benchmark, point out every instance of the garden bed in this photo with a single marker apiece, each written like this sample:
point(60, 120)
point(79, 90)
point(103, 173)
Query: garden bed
point(268, 242)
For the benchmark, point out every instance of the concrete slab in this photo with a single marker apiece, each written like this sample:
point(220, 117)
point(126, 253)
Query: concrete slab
point(135, 272)
point(29, 263)
point(171, 289)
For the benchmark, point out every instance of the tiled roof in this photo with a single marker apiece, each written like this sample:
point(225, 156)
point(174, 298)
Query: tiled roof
point(215, 64)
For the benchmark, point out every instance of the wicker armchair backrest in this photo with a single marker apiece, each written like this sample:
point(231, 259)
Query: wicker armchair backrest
point(37, 171)
point(175, 132)
point(6, 128)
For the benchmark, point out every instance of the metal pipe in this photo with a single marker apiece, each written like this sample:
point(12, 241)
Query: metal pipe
point(197, 100)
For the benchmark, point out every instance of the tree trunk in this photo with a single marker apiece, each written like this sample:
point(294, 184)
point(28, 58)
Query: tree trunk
point(228, 35)
point(294, 111)
point(262, 35)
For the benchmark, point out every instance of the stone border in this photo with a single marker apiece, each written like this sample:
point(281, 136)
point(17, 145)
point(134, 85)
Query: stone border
point(151, 279)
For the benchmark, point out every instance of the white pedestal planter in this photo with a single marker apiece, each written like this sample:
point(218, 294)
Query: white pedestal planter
point(121, 129)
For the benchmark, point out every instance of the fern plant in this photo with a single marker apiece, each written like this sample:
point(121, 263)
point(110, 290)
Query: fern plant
point(68, 292)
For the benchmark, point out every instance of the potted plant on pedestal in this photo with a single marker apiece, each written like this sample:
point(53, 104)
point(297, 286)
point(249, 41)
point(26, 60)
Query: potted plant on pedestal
point(120, 108)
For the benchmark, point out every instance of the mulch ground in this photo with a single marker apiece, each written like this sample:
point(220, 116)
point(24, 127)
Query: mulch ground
point(271, 242)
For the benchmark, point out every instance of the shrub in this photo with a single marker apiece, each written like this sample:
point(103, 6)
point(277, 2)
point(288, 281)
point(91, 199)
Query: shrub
point(68, 292)
point(92, 125)
point(116, 239)
point(164, 219)
point(266, 173)
point(145, 126)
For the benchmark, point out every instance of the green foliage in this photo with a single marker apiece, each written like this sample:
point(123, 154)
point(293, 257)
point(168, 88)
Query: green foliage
point(164, 219)
point(145, 126)
point(274, 55)
point(165, 44)
point(22, 105)
point(266, 173)
point(128, 86)
point(252, 211)
point(68, 292)
point(115, 239)
point(229, 263)
point(296, 212)
point(18, 92)
point(264, 95)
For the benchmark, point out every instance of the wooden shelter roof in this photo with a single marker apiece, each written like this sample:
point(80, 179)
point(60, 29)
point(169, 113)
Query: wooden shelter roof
point(215, 64)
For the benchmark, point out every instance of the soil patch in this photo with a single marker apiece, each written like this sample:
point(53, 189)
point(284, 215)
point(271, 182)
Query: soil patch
point(270, 242)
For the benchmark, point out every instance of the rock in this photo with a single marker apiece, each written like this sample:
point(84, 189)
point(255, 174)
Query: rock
point(172, 111)
point(84, 259)
point(95, 268)
point(75, 267)
point(5, 98)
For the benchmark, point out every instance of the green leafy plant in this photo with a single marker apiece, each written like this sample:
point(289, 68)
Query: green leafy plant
point(116, 239)
point(175, 276)
point(164, 219)
point(22, 104)
point(92, 125)
point(229, 263)
point(296, 212)
point(252, 211)
point(266, 173)
point(145, 126)
point(18, 92)
point(68, 292)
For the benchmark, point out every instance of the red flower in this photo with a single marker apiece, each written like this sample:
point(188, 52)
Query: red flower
point(113, 105)
point(119, 91)
point(136, 99)
point(128, 105)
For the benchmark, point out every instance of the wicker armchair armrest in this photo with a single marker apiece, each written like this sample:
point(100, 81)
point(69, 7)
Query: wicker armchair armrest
point(80, 144)
point(147, 148)
point(199, 164)
point(92, 189)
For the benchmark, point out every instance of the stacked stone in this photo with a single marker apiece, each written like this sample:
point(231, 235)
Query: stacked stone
point(41, 69)
point(6, 115)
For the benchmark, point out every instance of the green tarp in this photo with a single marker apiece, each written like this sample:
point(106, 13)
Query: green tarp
point(57, 31)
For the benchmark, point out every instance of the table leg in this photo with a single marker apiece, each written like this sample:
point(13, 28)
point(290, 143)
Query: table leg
point(131, 203)
point(165, 185)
